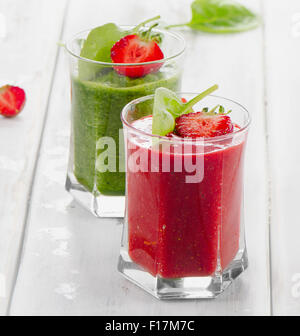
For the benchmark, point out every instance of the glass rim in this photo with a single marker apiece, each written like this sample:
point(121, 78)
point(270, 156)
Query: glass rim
point(165, 59)
point(241, 130)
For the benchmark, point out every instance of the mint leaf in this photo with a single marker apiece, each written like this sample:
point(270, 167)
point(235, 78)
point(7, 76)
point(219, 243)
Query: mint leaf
point(221, 16)
point(168, 106)
point(97, 47)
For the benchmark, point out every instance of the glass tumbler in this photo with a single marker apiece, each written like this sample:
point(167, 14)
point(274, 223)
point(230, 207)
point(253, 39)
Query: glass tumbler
point(99, 91)
point(183, 236)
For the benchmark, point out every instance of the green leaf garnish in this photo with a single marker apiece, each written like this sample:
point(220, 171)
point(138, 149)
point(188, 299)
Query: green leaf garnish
point(97, 47)
point(99, 42)
point(220, 16)
point(168, 106)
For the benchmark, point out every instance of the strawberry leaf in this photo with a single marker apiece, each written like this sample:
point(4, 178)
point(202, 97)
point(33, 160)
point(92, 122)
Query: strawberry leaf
point(214, 109)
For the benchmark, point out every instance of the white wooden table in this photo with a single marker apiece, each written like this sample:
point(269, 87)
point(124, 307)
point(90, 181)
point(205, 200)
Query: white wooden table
point(56, 258)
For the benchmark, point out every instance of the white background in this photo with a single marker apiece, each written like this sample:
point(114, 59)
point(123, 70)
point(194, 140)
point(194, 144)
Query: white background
point(56, 258)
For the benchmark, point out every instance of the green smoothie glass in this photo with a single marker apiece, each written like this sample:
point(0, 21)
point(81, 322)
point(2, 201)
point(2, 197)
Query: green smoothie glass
point(96, 179)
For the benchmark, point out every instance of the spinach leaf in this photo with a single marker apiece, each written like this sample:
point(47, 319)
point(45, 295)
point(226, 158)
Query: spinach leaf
point(97, 47)
point(221, 16)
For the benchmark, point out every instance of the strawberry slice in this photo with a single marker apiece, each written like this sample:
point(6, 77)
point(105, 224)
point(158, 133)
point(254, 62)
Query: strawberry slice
point(134, 49)
point(12, 100)
point(198, 124)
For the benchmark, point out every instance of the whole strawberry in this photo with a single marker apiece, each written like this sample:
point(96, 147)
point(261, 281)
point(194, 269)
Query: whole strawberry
point(12, 100)
point(137, 48)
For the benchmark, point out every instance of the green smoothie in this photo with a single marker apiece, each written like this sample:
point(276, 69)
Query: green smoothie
point(96, 109)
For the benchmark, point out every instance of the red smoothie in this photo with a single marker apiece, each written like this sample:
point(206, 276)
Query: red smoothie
point(178, 229)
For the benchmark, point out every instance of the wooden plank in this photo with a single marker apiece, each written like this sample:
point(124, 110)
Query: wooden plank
point(69, 263)
point(283, 81)
point(28, 52)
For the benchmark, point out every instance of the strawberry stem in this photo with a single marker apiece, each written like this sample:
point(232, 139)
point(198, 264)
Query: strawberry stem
point(142, 24)
point(147, 34)
point(199, 97)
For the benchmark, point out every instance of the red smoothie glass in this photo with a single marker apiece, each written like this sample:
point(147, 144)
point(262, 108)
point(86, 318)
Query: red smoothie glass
point(184, 231)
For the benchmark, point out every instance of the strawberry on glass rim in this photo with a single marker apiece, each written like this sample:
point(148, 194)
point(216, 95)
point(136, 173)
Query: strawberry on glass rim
point(173, 116)
point(138, 47)
point(199, 124)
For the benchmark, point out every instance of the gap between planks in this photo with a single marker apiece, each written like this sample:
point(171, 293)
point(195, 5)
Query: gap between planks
point(267, 159)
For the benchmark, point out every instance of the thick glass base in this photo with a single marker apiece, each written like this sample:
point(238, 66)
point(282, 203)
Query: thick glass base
point(183, 288)
point(99, 205)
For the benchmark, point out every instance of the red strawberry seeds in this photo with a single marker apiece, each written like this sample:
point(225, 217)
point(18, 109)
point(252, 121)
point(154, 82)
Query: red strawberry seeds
point(194, 125)
point(133, 49)
point(12, 100)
